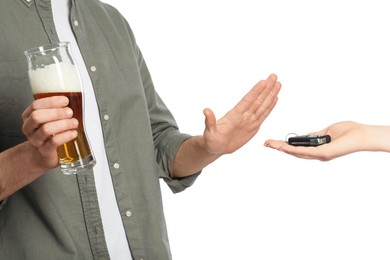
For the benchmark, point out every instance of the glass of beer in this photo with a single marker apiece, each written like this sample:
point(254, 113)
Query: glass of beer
point(53, 72)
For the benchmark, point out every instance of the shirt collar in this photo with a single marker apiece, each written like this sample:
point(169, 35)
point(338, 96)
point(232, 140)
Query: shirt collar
point(28, 3)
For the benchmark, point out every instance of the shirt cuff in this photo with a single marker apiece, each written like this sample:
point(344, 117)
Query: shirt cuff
point(178, 185)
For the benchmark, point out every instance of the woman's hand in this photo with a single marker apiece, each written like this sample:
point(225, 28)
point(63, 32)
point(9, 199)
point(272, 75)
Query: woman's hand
point(347, 137)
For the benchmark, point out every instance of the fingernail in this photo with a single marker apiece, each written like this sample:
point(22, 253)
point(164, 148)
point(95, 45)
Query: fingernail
point(68, 111)
point(73, 134)
point(75, 122)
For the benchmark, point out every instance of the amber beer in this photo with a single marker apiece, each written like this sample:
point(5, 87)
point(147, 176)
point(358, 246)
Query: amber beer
point(52, 72)
point(78, 148)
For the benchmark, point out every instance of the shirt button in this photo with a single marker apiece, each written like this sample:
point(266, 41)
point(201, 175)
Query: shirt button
point(76, 23)
point(93, 68)
point(116, 165)
point(128, 213)
point(106, 117)
point(28, 1)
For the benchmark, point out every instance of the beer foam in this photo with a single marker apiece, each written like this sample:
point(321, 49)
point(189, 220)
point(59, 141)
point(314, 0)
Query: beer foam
point(59, 77)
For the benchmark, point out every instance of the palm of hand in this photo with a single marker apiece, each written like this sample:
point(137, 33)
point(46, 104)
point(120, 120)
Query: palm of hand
point(230, 132)
point(241, 123)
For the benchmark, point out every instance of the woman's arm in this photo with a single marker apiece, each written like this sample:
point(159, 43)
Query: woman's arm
point(347, 137)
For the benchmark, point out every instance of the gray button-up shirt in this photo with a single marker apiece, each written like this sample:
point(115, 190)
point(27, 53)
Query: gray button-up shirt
point(57, 216)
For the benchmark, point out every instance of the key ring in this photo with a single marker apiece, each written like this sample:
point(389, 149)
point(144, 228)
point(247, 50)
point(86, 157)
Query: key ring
point(290, 135)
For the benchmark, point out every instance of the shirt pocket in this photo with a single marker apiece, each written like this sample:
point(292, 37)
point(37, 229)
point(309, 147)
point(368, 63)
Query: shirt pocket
point(15, 96)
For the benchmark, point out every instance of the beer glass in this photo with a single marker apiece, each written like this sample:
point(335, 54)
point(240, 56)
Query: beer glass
point(53, 72)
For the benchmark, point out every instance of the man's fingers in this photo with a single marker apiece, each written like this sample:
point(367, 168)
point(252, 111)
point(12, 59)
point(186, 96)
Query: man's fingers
point(52, 129)
point(247, 101)
point(45, 103)
point(51, 144)
point(267, 103)
point(265, 95)
point(260, 93)
point(210, 119)
point(263, 114)
point(39, 117)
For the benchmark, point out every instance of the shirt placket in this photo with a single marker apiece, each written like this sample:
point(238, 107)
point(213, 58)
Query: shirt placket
point(86, 181)
point(46, 15)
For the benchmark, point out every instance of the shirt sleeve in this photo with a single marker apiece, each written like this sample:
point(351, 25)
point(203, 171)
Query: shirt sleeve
point(166, 135)
point(169, 147)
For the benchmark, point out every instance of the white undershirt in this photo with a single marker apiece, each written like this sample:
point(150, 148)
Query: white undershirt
point(112, 223)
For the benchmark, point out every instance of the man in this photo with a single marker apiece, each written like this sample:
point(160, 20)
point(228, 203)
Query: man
point(115, 210)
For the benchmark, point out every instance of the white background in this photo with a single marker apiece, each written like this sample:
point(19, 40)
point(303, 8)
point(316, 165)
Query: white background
point(333, 59)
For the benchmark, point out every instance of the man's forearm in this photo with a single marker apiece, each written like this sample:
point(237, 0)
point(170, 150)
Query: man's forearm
point(18, 168)
point(191, 158)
